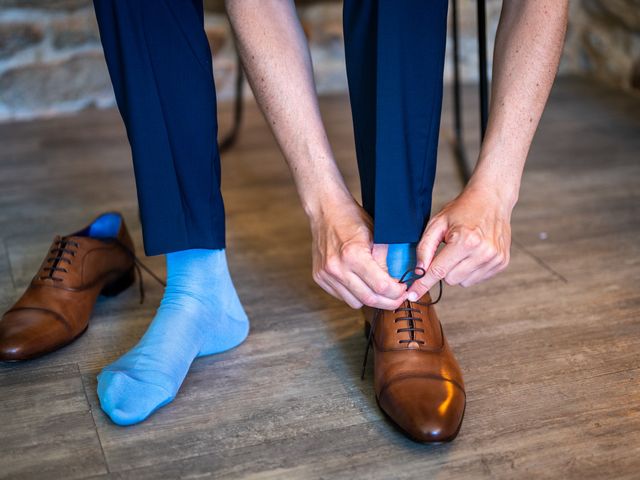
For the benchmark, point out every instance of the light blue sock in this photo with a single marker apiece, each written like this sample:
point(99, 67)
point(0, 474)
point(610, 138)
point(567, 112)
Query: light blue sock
point(200, 314)
point(400, 258)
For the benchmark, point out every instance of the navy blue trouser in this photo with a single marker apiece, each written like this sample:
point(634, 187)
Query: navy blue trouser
point(160, 66)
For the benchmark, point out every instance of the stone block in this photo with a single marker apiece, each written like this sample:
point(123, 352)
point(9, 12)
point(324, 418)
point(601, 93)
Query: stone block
point(43, 86)
point(46, 4)
point(74, 31)
point(623, 13)
point(15, 37)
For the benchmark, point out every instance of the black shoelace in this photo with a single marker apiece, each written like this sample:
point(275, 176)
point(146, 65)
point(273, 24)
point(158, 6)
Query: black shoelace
point(61, 251)
point(64, 252)
point(409, 309)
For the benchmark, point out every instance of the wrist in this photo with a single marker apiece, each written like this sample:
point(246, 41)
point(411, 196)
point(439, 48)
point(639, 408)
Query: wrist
point(503, 190)
point(498, 172)
point(318, 203)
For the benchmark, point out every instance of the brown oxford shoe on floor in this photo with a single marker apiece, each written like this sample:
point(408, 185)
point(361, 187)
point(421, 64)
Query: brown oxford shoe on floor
point(55, 308)
point(417, 380)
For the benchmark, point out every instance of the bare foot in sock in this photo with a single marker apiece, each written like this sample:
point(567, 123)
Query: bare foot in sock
point(200, 314)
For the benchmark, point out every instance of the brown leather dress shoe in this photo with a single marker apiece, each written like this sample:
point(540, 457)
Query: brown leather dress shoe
point(55, 308)
point(418, 382)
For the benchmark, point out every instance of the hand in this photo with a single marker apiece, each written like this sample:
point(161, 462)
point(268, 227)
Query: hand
point(475, 228)
point(345, 262)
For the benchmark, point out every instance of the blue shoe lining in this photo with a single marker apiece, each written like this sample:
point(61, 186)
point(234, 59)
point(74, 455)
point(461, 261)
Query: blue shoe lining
point(105, 226)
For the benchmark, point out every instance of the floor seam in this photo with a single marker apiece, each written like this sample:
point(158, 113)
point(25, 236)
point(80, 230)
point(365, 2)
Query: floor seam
point(95, 427)
point(225, 451)
point(540, 261)
point(6, 252)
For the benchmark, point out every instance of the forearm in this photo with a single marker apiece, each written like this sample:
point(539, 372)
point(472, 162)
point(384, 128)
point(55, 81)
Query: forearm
point(527, 52)
point(276, 59)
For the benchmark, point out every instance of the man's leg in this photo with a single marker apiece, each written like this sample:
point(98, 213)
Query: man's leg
point(395, 60)
point(160, 66)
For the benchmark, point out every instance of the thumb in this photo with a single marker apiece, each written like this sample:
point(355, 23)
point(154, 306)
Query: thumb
point(433, 235)
point(379, 253)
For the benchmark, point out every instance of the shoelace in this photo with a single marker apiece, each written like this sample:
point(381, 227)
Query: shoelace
point(409, 309)
point(138, 266)
point(62, 251)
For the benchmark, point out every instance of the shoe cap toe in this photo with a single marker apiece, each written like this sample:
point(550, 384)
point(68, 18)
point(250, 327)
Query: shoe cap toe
point(26, 333)
point(429, 409)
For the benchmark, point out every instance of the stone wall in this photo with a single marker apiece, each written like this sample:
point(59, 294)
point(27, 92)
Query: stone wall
point(51, 60)
point(603, 41)
point(322, 23)
point(468, 39)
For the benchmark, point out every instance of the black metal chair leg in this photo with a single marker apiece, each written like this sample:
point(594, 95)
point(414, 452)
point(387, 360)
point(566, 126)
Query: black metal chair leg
point(238, 110)
point(483, 74)
point(459, 150)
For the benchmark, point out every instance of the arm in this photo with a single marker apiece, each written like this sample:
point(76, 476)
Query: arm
point(475, 227)
point(276, 58)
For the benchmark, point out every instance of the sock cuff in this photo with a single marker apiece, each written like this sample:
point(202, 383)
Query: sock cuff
point(400, 258)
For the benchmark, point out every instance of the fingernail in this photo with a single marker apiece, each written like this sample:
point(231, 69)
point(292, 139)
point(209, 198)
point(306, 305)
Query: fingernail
point(413, 296)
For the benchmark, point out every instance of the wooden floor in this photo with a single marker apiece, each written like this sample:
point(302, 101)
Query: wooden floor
point(550, 349)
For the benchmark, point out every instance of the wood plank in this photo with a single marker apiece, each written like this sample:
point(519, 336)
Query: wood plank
point(47, 428)
point(548, 348)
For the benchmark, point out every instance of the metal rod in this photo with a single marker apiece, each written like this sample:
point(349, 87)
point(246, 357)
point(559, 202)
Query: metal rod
point(482, 67)
point(459, 151)
point(457, 106)
point(238, 108)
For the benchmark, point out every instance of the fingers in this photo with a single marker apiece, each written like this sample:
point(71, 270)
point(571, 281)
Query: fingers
point(328, 288)
point(489, 257)
point(348, 265)
point(480, 259)
point(336, 290)
point(378, 280)
point(379, 254)
point(431, 239)
point(356, 293)
point(468, 257)
point(489, 270)
point(358, 271)
point(470, 267)
point(364, 293)
point(358, 279)
point(481, 264)
point(344, 294)
point(442, 264)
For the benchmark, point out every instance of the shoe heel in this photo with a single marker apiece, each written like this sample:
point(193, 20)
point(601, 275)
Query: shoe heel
point(120, 284)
